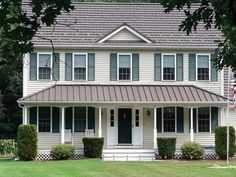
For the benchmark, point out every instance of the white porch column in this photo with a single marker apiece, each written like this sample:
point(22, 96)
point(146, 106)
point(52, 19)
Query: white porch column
point(100, 122)
point(25, 116)
point(155, 128)
point(62, 125)
point(191, 125)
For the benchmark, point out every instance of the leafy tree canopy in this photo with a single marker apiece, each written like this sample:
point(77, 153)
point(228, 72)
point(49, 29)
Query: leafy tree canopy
point(220, 14)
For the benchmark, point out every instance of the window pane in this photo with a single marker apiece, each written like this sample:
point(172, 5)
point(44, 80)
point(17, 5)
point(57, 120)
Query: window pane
point(80, 119)
point(80, 60)
point(204, 120)
point(44, 60)
point(124, 61)
point(80, 67)
point(168, 67)
point(203, 67)
point(44, 119)
point(203, 61)
point(169, 61)
point(124, 67)
point(44, 66)
point(169, 119)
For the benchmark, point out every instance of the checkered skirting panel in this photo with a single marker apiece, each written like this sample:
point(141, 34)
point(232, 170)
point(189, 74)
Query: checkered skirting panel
point(209, 154)
point(45, 155)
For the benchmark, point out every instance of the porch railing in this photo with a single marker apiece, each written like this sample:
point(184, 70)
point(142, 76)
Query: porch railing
point(89, 133)
point(67, 135)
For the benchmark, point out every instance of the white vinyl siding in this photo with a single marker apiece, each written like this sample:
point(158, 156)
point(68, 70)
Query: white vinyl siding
point(124, 35)
point(102, 73)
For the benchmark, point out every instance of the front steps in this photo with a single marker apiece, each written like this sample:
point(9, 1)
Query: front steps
point(128, 155)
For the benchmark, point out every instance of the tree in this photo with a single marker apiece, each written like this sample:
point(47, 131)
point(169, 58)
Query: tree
point(220, 14)
point(1, 106)
point(17, 28)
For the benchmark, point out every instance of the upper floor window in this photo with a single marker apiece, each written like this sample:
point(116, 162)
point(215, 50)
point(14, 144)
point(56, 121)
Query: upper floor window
point(169, 119)
point(124, 66)
point(203, 67)
point(44, 66)
point(168, 67)
point(204, 119)
point(80, 67)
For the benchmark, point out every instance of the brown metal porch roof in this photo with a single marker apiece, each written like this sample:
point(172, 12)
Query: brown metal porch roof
point(88, 93)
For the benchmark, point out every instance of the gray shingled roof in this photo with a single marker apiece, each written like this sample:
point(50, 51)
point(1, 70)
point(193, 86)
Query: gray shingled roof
point(96, 20)
point(124, 94)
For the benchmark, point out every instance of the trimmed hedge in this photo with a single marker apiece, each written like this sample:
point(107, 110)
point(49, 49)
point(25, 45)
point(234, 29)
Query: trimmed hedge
point(166, 147)
point(62, 151)
point(27, 142)
point(221, 141)
point(192, 150)
point(93, 147)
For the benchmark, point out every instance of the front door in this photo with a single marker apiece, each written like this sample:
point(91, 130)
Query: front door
point(125, 126)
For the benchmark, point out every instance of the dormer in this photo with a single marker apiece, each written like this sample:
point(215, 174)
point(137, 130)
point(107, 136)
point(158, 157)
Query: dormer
point(124, 33)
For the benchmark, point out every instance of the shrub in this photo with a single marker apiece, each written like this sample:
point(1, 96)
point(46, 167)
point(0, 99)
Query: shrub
point(192, 150)
point(166, 147)
point(62, 151)
point(93, 147)
point(7, 147)
point(27, 142)
point(221, 142)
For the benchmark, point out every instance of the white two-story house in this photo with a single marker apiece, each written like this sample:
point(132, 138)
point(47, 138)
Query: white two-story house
point(123, 72)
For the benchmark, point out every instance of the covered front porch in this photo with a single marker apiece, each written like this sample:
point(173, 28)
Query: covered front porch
point(128, 117)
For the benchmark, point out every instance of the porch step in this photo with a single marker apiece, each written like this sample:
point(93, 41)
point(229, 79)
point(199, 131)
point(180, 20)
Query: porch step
point(128, 155)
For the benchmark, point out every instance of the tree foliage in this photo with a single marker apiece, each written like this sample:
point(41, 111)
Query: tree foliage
point(220, 14)
point(17, 28)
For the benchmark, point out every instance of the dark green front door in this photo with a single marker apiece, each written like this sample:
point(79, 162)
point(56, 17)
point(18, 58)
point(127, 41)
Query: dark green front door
point(124, 126)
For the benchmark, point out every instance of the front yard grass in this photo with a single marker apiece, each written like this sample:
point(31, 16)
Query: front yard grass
point(96, 167)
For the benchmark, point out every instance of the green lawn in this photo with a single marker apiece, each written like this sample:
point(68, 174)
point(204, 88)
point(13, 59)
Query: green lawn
point(97, 167)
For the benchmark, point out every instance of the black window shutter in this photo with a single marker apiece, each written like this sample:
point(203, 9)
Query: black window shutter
point(159, 120)
point(214, 118)
point(55, 119)
point(33, 116)
point(91, 118)
point(180, 119)
point(68, 116)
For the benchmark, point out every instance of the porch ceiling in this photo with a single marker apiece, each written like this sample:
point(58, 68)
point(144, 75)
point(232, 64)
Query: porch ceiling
point(124, 94)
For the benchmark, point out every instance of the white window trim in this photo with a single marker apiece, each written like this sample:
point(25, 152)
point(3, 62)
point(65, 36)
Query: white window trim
point(162, 120)
point(44, 53)
point(73, 68)
point(203, 54)
point(118, 62)
point(209, 121)
point(162, 66)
